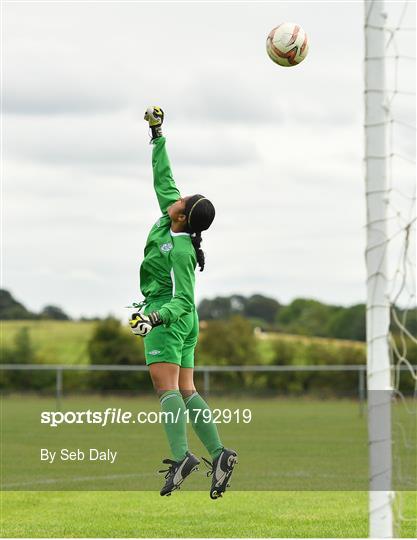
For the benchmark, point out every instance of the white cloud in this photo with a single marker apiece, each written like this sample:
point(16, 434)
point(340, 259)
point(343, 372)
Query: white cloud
point(279, 151)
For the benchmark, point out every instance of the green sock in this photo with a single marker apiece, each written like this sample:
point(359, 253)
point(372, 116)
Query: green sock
point(175, 424)
point(205, 430)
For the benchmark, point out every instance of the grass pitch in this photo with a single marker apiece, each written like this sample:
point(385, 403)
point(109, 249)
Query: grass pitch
point(184, 514)
point(190, 514)
point(187, 513)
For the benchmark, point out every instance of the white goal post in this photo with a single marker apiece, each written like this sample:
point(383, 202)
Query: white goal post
point(389, 236)
point(378, 309)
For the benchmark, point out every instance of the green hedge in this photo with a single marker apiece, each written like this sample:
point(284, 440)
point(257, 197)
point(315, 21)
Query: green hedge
point(225, 343)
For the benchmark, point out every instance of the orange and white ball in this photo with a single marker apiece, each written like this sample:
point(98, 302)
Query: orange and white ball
point(287, 44)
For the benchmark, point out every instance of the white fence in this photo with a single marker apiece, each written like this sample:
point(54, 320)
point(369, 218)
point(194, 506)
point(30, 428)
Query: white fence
point(205, 370)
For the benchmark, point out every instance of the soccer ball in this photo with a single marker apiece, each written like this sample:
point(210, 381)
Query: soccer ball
point(287, 44)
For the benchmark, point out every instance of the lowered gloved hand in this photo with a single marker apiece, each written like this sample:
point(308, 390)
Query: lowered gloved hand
point(141, 324)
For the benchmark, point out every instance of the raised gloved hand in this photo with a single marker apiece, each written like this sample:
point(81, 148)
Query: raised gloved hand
point(141, 324)
point(155, 117)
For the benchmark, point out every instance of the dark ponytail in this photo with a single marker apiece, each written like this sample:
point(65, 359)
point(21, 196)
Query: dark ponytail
point(196, 239)
point(200, 213)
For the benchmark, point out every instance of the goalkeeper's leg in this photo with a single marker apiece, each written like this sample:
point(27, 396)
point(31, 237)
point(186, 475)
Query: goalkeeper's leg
point(164, 377)
point(223, 460)
point(201, 419)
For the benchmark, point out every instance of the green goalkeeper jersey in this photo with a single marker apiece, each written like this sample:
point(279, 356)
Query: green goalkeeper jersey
point(168, 269)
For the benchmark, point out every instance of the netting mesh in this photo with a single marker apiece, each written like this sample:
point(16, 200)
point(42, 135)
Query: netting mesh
point(400, 249)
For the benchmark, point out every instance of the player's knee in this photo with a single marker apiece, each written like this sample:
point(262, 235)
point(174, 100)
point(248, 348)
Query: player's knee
point(161, 390)
point(161, 386)
point(187, 392)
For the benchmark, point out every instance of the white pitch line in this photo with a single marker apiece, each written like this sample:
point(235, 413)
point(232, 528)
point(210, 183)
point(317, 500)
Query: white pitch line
point(76, 479)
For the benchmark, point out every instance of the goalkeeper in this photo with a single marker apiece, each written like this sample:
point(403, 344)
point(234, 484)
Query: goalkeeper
point(169, 321)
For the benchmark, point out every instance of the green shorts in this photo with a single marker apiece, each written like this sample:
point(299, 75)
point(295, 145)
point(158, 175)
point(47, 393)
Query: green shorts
point(174, 344)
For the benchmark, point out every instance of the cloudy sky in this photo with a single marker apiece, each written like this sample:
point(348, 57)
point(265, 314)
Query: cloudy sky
point(278, 150)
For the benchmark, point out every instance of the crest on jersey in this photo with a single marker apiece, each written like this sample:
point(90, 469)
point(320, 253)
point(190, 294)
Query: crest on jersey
point(166, 247)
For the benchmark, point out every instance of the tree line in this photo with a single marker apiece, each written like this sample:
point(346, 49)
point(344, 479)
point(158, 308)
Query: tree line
point(11, 309)
point(303, 316)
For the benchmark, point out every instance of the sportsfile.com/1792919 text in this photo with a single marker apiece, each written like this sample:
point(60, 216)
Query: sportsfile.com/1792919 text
point(113, 415)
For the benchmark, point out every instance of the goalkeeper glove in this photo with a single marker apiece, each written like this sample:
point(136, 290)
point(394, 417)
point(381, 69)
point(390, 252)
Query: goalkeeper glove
point(155, 117)
point(141, 324)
